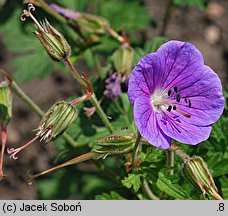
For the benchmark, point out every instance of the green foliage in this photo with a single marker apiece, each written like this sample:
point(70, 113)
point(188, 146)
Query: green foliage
point(122, 15)
point(170, 188)
point(132, 181)
point(109, 196)
point(71, 182)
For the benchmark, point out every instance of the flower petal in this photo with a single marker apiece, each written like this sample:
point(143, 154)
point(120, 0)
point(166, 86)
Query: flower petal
point(145, 77)
point(146, 122)
point(178, 58)
point(181, 130)
point(205, 95)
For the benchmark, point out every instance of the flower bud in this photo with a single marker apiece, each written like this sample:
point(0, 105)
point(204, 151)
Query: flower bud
point(54, 42)
point(196, 171)
point(5, 103)
point(122, 59)
point(92, 23)
point(84, 21)
point(119, 143)
point(56, 121)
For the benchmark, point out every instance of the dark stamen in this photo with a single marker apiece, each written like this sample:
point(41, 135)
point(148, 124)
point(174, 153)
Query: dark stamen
point(185, 99)
point(189, 104)
point(178, 97)
point(169, 92)
point(175, 89)
point(174, 107)
point(169, 108)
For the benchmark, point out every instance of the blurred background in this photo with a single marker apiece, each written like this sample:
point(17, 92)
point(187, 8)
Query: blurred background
point(201, 22)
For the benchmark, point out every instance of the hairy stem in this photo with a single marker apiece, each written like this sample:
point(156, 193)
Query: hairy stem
point(146, 189)
point(135, 150)
point(101, 113)
point(170, 160)
point(115, 35)
point(93, 97)
point(3, 138)
point(179, 152)
point(75, 73)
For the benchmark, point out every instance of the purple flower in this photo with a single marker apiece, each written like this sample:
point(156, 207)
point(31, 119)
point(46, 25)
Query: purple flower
point(113, 86)
point(175, 95)
point(68, 13)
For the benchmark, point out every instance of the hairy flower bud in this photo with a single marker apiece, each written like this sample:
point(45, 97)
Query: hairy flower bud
point(5, 114)
point(54, 42)
point(56, 120)
point(54, 123)
point(196, 171)
point(118, 143)
point(5, 103)
point(122, 59)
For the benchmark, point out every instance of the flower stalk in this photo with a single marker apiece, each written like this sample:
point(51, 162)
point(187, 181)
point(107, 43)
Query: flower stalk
point(101, 113)
point(3, 138)
point(146, 189)
point(170, 160)
point(135, 150)
point(79, 159)
point(92, 98)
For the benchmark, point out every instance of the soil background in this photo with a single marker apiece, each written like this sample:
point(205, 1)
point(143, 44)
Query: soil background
point(207, 30)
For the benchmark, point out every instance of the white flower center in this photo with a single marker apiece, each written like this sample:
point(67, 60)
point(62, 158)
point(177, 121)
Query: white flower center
point(159, 101)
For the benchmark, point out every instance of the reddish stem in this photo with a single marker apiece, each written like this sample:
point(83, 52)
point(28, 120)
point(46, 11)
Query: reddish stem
point(13, 151)
point(3, 138)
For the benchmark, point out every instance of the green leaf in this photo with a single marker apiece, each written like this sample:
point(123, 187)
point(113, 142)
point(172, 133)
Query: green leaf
point(109, 196)
point(79, 5)
point(133, 180)
point(28, 67)
point(224, 187)
point(221, 168)
point(122, 14)
point(154, 44)
point(219, 130)
point(172, 189)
